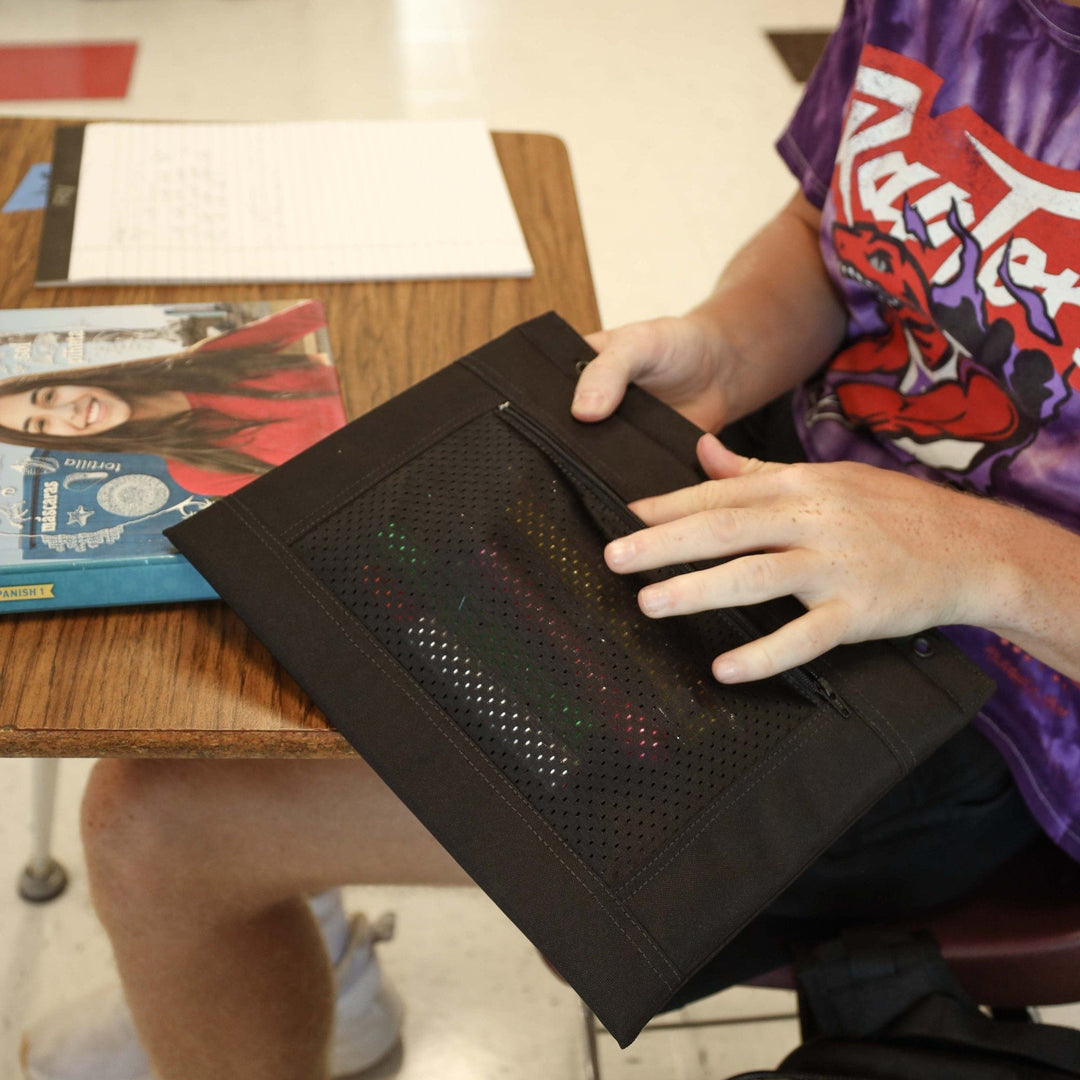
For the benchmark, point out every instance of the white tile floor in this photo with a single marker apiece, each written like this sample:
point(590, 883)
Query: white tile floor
point(669, 111)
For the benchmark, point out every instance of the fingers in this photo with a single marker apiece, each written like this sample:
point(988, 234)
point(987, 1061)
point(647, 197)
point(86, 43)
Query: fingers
point(750, 489)
point(693, 537)
point(624, 356)
point(749, 580)
point(760, 480)
point(797, 642)
point(720, 463)
point(603, 383)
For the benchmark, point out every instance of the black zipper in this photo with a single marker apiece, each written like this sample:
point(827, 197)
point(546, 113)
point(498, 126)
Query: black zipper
point(803, 679)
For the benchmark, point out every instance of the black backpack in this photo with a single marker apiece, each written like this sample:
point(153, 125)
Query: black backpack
point(886, 1007)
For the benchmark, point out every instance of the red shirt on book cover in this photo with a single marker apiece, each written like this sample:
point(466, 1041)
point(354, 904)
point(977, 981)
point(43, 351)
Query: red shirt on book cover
point(284, 426)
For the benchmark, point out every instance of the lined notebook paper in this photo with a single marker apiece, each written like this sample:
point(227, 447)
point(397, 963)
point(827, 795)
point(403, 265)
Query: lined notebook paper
point(318, 201)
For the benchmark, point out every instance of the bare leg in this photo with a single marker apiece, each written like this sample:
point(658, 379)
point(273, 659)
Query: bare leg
point(197, 870)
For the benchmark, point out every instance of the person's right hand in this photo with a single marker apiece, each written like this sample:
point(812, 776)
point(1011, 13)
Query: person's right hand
point(679, 360)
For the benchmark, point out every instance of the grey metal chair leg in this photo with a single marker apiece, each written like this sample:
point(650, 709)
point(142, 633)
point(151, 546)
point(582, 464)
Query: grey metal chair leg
point(43, 878)
point(592, 1051)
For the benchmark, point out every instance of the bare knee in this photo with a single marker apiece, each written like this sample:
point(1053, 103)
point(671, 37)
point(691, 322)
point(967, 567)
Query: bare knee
point(118, 811)
point(142, 836)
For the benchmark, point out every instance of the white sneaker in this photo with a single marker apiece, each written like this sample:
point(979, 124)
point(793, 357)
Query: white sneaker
point(94, 1038)
point(368, 1011)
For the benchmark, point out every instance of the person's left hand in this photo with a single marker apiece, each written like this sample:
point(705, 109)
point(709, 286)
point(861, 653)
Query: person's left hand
point(870, 552)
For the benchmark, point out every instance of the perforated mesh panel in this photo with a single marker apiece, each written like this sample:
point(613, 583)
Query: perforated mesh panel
point(498, 604)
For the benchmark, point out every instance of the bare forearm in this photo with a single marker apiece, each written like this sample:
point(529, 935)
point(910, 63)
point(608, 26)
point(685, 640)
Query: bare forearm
point(1024, 584)
point(774, 317)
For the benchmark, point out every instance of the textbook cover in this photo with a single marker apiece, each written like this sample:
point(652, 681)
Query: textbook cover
point(117, 422)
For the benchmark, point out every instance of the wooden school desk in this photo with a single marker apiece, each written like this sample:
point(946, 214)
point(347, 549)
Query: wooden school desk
point(189, 680)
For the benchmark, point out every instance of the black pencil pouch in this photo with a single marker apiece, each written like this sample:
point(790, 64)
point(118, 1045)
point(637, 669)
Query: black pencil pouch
point(432, 575)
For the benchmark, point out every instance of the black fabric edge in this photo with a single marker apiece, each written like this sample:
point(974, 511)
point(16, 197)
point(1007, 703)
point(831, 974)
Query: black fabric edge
point(609, 960)
point(737, 843)
point(888, 736)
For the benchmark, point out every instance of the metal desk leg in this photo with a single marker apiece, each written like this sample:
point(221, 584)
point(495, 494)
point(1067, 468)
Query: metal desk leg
point(44, 878)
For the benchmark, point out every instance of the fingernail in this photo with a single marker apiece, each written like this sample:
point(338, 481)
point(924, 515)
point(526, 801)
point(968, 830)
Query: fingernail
point(654, 601)
point(617, 553)
point(589, 402)
point(724, 670)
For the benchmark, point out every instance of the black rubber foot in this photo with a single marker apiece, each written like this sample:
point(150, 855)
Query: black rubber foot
point(38, 888)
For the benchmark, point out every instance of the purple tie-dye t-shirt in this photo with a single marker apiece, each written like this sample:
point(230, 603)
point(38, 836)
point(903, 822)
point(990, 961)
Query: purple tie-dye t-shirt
point(941, 138)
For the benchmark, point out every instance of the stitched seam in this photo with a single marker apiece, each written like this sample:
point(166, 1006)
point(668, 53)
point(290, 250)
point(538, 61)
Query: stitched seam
point(1070, 39)
point(867, 707)
point(789, 143)
point(633, 886)
point(267, 539)
point(962, 703)
point(538, 341)
point(497, 379)
point(309, 520)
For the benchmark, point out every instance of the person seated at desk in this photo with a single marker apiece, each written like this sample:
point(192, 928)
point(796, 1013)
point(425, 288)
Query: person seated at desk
point(908, 324)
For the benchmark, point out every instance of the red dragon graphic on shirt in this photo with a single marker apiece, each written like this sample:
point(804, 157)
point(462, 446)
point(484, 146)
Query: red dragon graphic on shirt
point(955, 245)
point(980, 405)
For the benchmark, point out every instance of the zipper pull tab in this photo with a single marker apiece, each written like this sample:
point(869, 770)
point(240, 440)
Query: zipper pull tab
point(832, 697)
